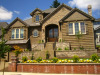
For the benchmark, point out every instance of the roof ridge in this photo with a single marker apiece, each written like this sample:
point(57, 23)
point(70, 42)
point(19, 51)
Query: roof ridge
point(76, 9)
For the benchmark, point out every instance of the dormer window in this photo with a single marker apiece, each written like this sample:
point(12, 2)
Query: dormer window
point(37, 17)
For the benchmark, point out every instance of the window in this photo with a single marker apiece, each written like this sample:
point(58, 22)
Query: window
point(21, 33)
point(70, 28)
point(78, 27)
point(13, 31)
point(98, 37)
point(82, 27)
point(35, 33)
point(17, 33)
point(37, 17)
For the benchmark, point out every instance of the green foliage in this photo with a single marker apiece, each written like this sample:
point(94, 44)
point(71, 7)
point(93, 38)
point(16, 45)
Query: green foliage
point(39, 59)
point(40, 41)
point(24, 58)
point(26, 49)
point(55, 4)
point(17, 50)
point(74, 48)
point(60, 40)
point(47, 54)
point(75, 58)
point(81, 48)
point(78, 35)
point(97, 45)
point(59, 49)
point(66, 48)
point(32, 57)
point(55, 59)
point(3, 47)
point(94, 57)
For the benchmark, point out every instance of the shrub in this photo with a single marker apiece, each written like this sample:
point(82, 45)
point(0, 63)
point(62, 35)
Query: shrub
point(32, 57)
point(75, 58)
point(94, 57)
point(66, 48)
point(17, 50)
point(59, 49)
point(26, 49)
point(74, 48)
point(55, 60)
point(39, 59)
point(81, 48)
point(47, 54)
point(60, 40)
point(24, 58)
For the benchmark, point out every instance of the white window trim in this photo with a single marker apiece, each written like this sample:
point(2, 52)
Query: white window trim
point(98, 37)
point(15, 33)
point(79, 28)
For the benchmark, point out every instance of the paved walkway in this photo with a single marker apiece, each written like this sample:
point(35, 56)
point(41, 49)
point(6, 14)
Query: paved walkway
point(18, 73)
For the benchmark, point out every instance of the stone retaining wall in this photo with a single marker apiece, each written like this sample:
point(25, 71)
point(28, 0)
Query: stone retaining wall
point(71, 53)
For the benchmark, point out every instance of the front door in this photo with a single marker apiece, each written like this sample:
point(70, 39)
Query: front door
point(52, 33)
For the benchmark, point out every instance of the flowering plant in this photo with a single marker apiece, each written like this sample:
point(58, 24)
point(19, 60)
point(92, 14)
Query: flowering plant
point(17, 50)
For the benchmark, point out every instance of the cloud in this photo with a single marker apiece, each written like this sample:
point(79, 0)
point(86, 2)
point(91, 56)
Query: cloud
point(17, 12)
point(5, 14)
point(82, 4)
point(27, 18)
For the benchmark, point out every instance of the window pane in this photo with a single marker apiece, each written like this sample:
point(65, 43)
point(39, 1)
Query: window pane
point(70, 28)
point(76, 28)
point(17, 33)
point(35, 33)
point(82, 27)
point(12, 35)
point(21, 33)
point(56, 33)
point(37, 17)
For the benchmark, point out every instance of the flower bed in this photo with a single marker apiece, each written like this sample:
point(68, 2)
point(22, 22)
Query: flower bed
point(62, 61)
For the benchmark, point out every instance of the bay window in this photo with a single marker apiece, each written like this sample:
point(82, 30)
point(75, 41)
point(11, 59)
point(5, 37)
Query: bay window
point(17, 33)
point(77, 27)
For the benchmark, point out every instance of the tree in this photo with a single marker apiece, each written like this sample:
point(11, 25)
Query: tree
point(3, 47)
point(55, 4)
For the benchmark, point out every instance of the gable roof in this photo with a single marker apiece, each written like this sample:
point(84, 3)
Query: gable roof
point(37, 9)
point(78, 10)
point(4, 25)
point(30, 23)
point(50, 10)
point(59, 7)
point(18, 19)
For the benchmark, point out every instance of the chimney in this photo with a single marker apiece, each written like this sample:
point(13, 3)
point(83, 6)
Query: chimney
point(90, 10)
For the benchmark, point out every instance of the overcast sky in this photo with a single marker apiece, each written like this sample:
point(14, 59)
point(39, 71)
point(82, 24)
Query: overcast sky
point(10, 9)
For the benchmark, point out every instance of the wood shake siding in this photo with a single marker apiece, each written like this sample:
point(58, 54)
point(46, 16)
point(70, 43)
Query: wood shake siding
point(87, 40)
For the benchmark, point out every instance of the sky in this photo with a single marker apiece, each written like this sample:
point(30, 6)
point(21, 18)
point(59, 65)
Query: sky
point(10, 9)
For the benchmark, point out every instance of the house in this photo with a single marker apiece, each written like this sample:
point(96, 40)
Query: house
point(97, 31)
point(55, 30)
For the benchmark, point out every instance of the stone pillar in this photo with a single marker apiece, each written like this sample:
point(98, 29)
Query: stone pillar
point(14, 64)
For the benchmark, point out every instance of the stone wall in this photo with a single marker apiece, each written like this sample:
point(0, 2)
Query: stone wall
point(71, 53)
point(38, 46)
point(62, 45)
